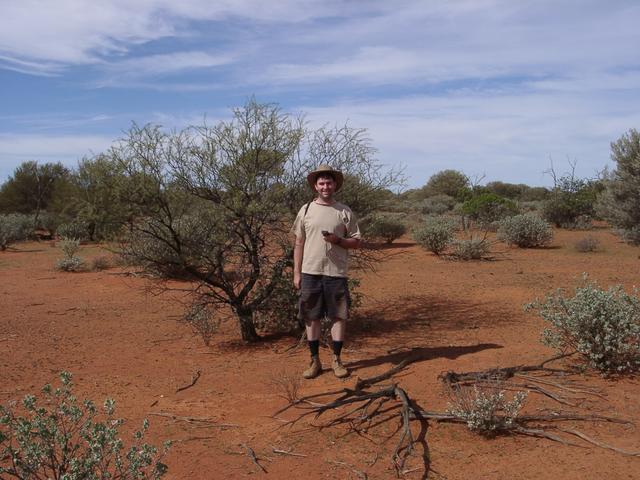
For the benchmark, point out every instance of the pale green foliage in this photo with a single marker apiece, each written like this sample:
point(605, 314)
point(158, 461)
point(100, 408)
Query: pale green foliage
point(436, 234)
point(526, 230)
point(61, 437)
point(379, 227)
point(14, 227)
point(70, 262)
point(437, 204)
point(446, 182)
point(602, 325)
point(486, 410)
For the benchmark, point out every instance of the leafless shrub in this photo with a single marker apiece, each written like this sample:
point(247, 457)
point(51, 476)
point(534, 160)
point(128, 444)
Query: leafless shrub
point(202, 320)
point(288, 385)
point(587, 244)
point(101, 262)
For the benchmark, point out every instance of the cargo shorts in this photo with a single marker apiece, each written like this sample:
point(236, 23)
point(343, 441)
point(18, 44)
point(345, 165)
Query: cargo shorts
point(323, 296)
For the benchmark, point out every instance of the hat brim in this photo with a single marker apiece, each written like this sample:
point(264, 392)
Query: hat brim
point(312, 178)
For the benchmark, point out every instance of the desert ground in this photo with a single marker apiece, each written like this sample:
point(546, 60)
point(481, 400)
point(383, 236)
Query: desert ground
point(121, 340)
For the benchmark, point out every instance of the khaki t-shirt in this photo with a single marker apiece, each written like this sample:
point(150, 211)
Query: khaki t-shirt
point(320, 257)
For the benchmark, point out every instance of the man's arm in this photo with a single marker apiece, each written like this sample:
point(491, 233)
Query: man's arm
point(347, 243)
point(298, 252)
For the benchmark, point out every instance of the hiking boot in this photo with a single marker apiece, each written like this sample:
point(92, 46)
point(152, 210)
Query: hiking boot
point(338, 369)
point(315, 367)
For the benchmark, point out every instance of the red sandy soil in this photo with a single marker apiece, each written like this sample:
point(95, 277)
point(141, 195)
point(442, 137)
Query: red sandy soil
point(121, 341)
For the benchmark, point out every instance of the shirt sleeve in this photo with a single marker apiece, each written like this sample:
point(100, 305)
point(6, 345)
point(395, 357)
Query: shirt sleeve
point(353, 230)
point(298, 225)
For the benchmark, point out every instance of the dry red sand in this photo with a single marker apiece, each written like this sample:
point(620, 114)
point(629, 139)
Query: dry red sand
point(122, 342)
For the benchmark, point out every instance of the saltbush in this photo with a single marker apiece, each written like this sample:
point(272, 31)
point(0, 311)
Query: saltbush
point(486, 410)
point(601, 325)
point(526, 230)
point(471, 249)
point(437, 204)
point(61, 437)
point(436, 234)
point(70, 262)
point(377, 227)
point(14, 227)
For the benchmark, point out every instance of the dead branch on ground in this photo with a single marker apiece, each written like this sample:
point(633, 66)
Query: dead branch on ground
point(194, 379)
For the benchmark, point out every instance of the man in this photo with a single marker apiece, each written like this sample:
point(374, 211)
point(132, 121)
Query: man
point(325, 230)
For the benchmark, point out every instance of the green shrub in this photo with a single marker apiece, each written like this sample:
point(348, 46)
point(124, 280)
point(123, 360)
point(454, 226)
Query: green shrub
point(471, 249)
point(377, 227)
point(489, 207)
point(526, 230)
point(436, 234)
point(101, 262)
point(601, 325)
point(60, 437)
point(570, 202)
point(75, 230)
point(14, 227)
point(587, 244)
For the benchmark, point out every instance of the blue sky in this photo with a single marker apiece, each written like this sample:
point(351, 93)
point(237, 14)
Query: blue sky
point(490, 87)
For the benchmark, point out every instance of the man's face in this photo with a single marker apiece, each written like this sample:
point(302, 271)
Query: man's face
point(326, 187)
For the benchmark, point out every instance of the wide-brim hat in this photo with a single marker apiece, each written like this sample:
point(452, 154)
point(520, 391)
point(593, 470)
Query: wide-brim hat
point(312, 178)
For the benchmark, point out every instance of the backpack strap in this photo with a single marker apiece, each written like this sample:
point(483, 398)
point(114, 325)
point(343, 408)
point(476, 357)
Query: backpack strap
point(306, 208)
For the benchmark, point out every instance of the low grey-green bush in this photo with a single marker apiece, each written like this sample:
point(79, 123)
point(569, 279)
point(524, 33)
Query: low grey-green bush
point(202, 320)
point(70, 262)
point(101, 262)
point(436, 234)
point(486, 410)
point(471, 249)
point(63, 438)
point(526, 230)
point(587, 244)
point(486, 208)
point(14, 227)
point(603, 326)
point(378, 227)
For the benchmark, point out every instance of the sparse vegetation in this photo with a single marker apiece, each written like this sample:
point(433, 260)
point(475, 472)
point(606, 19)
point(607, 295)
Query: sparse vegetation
point(487, 208)
point(436, 234)
point(63, 438)
point(76, 230)
point(601, 325)
point(526, 230)
point(101, 262)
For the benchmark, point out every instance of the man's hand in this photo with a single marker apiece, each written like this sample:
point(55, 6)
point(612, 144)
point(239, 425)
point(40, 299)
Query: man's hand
point(297, 280)
point(332, 238)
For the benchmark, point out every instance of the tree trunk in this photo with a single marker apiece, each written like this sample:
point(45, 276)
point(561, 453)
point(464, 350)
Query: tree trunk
point(247, 328)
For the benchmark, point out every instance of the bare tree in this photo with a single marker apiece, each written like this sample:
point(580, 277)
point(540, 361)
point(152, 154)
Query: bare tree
point(215, 204)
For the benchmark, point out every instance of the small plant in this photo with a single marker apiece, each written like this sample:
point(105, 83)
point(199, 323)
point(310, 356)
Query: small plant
point(202, 320)
point(73, 230)
point(587, 244)
point(486, 409)
point(101, 262)
point(436, 234)
point(70, 262)
point(471, 249)
point(526, 231)
point(63, 438)
point(288, 384)
point(601, 325)
point(384, 228)
point(14, 227)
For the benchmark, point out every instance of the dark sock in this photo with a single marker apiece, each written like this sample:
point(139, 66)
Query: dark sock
point(337, 347)
point(314, 347)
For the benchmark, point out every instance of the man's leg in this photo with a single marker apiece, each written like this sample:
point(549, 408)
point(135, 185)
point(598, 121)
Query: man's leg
point(311, 306)
point(338, 330)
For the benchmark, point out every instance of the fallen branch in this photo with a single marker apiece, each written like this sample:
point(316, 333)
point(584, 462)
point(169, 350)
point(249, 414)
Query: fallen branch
point(253, 457)
point(194, 379)
point(286, 452)
point(359, 473)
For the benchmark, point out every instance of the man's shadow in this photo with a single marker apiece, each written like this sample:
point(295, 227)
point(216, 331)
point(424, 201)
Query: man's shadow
point(421, 354)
